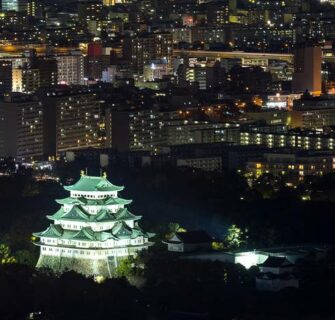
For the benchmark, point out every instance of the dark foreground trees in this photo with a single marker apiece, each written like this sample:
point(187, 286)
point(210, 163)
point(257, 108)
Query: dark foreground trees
point(172, 286)
point(24, 291)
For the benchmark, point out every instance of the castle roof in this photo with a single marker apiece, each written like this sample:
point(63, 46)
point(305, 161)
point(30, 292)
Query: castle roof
point(125, 214)
point(53, 231)
point(120, 231)
point(94, 202)
point(77, 213)
point(90, 184)
point(87, 234)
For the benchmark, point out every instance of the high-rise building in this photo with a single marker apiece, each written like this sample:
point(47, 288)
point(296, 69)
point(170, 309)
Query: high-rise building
point(307, 73)
point(21, 128)
point(91, 16)
point(142, 49)
point(5, 77)
point(47, 71)
point(217, 14)
point(152, 129)
point(75, 118)
point(33, 8)
point(8, 131)
point(135, 130)
point(25, 80)
point(70, 69)
point(92, 231)
point(204, 75)
point(94, 59)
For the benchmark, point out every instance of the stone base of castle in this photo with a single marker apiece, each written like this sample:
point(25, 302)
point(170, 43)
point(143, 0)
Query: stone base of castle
point(89, 267)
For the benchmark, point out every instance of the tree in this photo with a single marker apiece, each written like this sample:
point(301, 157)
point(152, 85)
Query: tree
point(173, 228)
point(127, 267)
point(26, 257)
point(5, 254)
point(234, 237)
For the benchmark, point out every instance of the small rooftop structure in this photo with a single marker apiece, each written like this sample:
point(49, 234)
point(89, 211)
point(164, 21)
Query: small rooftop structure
point(275, 262)
point(276, 273)
point(198, 240)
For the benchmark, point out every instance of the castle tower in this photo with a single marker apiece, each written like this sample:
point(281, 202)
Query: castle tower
point(91, 231)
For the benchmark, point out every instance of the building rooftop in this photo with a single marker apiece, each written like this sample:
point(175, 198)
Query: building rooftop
point(275, 262)
point(199, 236)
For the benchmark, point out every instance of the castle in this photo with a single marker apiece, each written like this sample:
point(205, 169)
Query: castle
point(91, 231)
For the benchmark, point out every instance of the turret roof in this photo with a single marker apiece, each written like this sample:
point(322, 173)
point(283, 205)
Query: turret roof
point(76, 214)
point(122, 230)
point(53, 231)
point(125, 214)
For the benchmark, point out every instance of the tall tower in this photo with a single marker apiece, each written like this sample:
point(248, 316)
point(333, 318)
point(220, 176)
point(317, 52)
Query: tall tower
point(91, 231)
point(307, 69)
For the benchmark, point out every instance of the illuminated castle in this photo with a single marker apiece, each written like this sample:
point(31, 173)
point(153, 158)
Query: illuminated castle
point(91, 231)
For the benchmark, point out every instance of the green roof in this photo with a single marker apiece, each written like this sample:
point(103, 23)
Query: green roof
point(90, 184)
point(125, 214)
point(75, 214)
point(119, 231)
point(53, 231)
point(94, 202)
point(86, 234)
point(89, 235)
point(69, 200)
point(122, 230)
point(58, 215)
point(111, 200)
point(79, 214)
point(104, 215)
